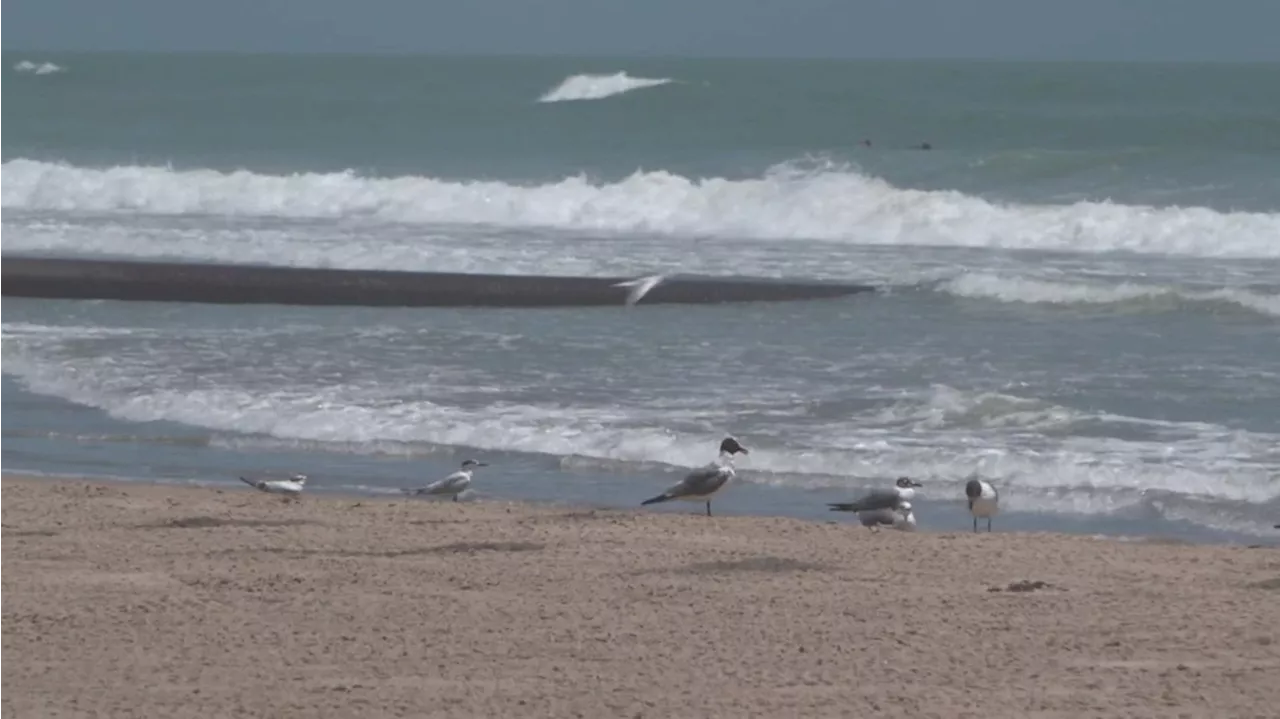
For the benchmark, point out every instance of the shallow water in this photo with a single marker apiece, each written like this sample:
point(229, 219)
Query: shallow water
point(1080, 283)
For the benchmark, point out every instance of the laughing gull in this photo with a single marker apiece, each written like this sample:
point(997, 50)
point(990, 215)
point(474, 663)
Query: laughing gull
point(640, 287)
point(880, 499)
point(454, 484)
point(291, 487)
point(701, 483)
point(984, 500)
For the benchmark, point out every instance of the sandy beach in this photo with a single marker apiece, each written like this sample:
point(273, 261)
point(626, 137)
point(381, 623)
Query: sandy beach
point(138, 600)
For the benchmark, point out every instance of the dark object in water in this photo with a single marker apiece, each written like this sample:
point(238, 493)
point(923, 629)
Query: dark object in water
point(255, 284)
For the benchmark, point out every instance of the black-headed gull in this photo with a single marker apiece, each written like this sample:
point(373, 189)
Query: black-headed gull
point(984, 500)
point(701, 483)
point(903, 491)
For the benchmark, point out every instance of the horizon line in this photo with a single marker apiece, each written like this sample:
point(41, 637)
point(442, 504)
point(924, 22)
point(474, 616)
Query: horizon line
point(644, 56)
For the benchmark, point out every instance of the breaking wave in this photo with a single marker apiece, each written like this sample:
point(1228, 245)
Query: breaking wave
point(597, 87)
point(1003, 288)
point(828, 203)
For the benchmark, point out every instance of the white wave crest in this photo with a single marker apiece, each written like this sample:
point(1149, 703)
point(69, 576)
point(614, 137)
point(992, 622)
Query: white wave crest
point(831, 203)
point(596, 87)
point(1029, 290)
point(946, 408)
point(40, 68)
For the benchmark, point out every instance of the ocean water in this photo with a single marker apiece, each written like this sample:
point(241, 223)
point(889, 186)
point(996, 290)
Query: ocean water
point(1080, 282)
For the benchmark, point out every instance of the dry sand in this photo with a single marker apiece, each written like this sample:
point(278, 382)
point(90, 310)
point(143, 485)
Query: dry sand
point(129, 600)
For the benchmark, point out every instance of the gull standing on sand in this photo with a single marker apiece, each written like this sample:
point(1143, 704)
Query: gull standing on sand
point(640, 287)
point(984, 500)
point(701, 483)
point(884, 506)
point(454, 484)
point(291, 487)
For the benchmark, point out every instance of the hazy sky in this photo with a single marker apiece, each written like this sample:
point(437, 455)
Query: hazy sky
point(1053, 29)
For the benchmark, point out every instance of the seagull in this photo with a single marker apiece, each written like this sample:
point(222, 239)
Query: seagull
point(880, 499)
point(454, 484)
point(640, 287)
point(984, 500)
point(700, 484)
point(900, 517)
point(291, 487)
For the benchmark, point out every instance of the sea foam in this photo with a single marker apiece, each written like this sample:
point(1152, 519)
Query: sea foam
point(37, 68)
point(1031, 290)
point(597, 87)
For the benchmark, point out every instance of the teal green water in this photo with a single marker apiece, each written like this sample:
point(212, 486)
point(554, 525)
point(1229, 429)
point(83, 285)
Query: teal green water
point(1202, 134)
point(1081, 278)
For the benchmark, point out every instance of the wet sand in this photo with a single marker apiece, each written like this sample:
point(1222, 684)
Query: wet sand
point(138, 600)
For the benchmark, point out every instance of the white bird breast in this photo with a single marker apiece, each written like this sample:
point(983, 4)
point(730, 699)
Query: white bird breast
point(985, 507)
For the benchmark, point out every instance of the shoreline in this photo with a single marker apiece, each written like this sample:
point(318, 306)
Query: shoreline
point(926, 507)
point(145, 599)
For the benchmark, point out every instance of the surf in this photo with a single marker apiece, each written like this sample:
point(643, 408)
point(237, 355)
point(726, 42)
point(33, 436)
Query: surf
point(833, 203)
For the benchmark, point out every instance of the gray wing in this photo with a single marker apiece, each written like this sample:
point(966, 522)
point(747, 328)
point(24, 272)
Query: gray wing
point(448, 484)
point(700, 481)
point(873, 500)
point(452, 483)
point(879, 517)
point(640, 287)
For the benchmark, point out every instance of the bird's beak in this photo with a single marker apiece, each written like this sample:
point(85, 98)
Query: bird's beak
point(743, 450)
point(916, 484)
point(482, 464)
